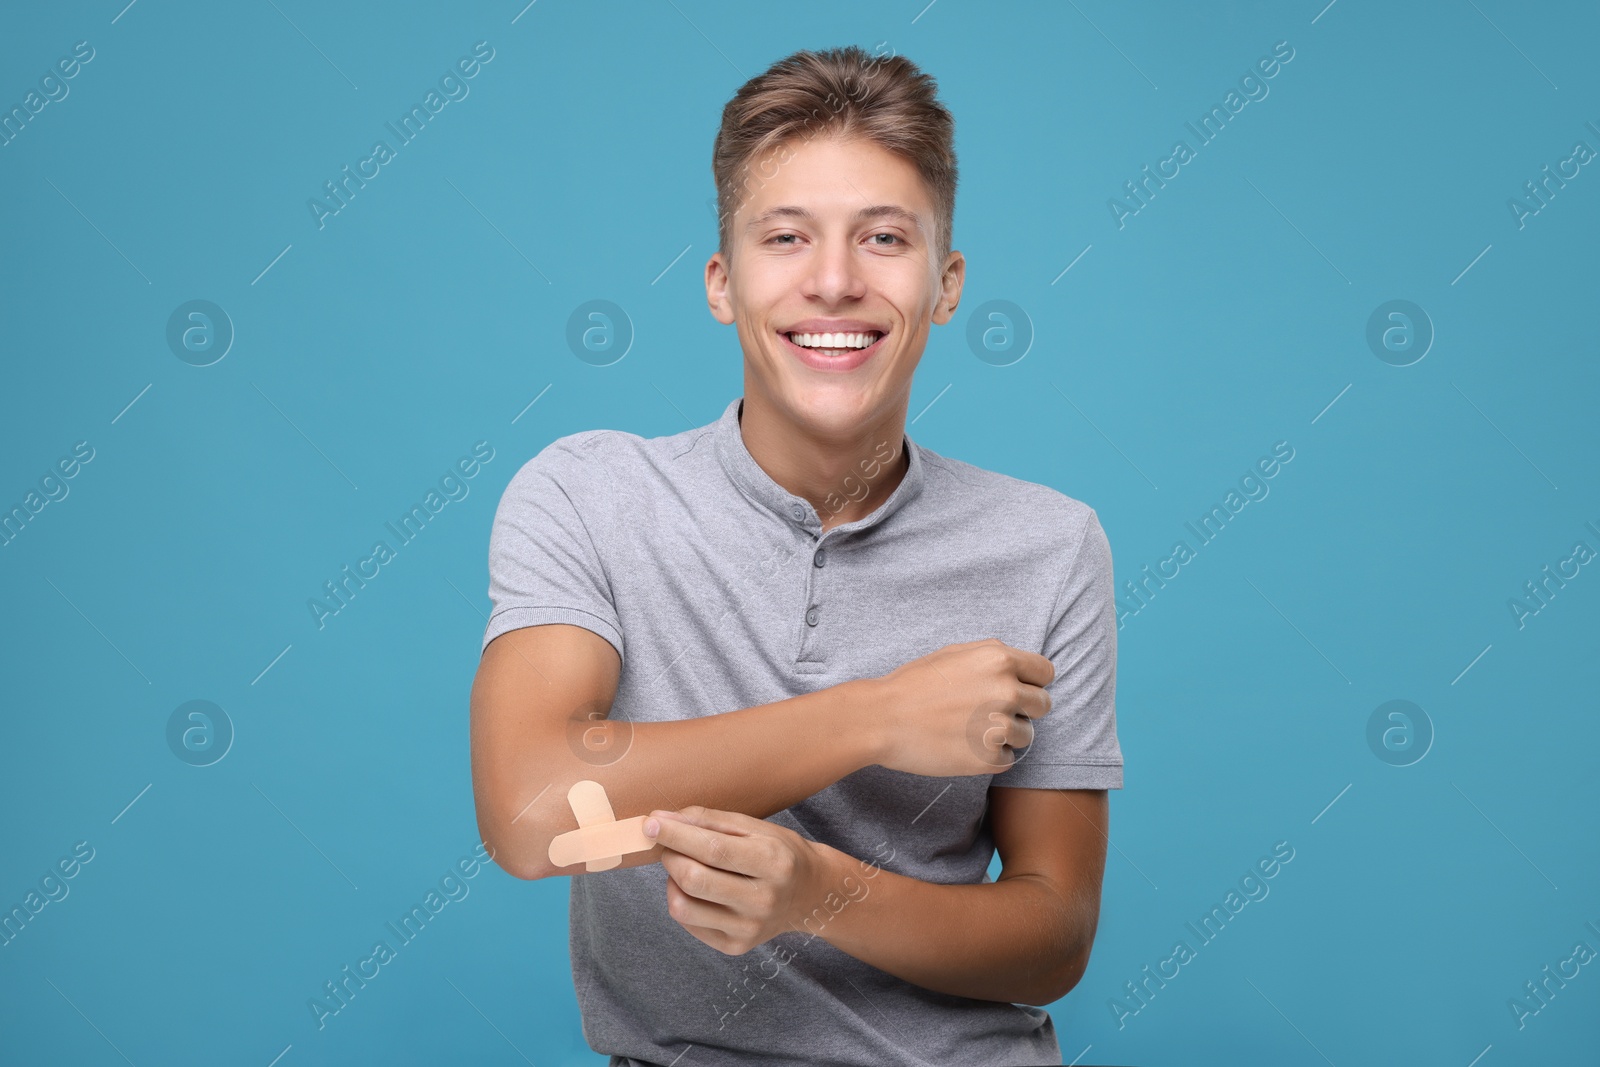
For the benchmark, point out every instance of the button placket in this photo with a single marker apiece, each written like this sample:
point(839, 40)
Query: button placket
point(811, 642)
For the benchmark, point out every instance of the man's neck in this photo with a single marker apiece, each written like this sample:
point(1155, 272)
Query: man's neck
point(831, 474)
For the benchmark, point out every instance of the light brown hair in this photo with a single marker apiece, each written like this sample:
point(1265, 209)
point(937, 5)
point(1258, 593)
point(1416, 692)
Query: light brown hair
point(885, 99)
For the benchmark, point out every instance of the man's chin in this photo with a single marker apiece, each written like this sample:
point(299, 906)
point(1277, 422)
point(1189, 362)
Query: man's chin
point(831, 409)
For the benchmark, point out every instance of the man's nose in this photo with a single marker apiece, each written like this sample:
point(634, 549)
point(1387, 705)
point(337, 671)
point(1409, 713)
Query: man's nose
point(836, 273)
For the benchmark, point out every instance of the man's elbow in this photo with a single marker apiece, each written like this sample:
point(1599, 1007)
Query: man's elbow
point(1076, 932)
point(519, 827)
point(1060, 981)
point(517, 845)
point(1070, 975)
point(528, 869)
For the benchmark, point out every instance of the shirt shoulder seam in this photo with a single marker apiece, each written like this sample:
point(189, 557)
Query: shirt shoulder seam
point(585, 447)
point(1077, 552)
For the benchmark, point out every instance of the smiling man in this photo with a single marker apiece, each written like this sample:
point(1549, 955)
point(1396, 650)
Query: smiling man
point(820, 672)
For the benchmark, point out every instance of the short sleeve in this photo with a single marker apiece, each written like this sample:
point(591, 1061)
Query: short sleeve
point(1075, 744)
point(544, 566)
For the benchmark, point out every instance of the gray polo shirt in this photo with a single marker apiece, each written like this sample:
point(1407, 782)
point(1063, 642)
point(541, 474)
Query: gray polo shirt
point(720, 591)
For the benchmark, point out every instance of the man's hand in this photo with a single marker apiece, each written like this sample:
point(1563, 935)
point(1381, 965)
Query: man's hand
point(736, 882)
point(963, 709)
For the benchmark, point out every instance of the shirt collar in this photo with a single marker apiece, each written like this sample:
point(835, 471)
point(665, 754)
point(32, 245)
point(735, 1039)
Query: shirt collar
point(758, 485)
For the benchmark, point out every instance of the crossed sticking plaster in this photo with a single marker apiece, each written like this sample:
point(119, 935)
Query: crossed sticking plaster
point(600, 841)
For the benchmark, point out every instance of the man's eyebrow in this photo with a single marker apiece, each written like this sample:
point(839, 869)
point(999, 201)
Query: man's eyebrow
point(877, 211)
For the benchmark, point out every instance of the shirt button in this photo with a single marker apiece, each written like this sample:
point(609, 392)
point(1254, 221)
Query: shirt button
point(817, 559)
point(799, 513)
point(811, 617)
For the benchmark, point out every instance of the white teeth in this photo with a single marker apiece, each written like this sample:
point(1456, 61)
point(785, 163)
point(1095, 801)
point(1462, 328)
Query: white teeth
point(834, 340)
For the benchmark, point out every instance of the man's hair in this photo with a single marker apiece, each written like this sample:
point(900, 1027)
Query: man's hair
point(887, 100)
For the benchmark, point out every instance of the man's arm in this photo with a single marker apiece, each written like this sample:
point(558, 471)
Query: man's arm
point(950, 712)
point(532, 681)
point(1023, 939)
point(735, 882)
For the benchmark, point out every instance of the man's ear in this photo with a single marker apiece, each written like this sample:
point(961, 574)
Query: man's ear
point(717, 297)
point(950, 282)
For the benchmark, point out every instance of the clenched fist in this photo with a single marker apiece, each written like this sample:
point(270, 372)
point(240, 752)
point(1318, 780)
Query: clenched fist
point(963, 709)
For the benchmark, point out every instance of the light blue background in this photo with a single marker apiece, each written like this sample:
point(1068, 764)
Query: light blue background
point(1227, 315)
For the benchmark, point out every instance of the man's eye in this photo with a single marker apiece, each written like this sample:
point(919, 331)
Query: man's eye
point(891, 236)
point(781, 236)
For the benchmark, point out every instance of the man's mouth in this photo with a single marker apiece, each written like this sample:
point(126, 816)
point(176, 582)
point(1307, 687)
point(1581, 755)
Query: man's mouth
point(834, 344)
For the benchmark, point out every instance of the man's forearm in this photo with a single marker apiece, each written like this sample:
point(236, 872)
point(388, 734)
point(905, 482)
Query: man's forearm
point(757, 760)
point(1016, 940)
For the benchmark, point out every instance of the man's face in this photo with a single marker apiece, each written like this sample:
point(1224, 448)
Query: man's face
point(838, 239)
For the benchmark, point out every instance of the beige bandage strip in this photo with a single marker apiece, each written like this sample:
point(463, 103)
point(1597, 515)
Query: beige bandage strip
point(593, 808)
point(600, 841)
point(600, 847)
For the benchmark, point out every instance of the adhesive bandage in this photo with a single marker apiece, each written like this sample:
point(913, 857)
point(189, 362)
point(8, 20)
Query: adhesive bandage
point(600, 841)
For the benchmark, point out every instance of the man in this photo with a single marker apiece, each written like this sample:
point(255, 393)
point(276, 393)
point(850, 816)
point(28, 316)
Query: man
point(814, 657)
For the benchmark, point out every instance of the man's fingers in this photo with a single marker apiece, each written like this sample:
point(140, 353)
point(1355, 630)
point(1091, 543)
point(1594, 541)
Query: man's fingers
point(703, 881)
point(699, 916)
point(1020, 733)
point(1034, 702)
point(739, 853)
point(1032, 667)
point(709, 936)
